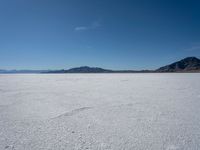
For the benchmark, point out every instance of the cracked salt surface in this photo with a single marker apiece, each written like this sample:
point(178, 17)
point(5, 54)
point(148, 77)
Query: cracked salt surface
point(100, 112)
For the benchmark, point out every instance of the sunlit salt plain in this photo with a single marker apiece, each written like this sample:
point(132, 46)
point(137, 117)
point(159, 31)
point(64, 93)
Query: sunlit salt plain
point(100, 112)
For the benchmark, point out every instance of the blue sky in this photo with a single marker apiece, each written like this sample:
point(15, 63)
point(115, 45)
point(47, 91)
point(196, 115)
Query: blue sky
point(115, 34)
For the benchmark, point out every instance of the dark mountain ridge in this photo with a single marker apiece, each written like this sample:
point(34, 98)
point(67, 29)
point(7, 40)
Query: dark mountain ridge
point(83, 69)
point(189, 64)
point(86, 69)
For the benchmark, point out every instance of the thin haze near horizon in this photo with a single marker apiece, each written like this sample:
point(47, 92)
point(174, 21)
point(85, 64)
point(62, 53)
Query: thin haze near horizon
point(113, 34)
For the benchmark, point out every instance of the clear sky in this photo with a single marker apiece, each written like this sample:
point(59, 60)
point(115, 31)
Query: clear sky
point(113, 34)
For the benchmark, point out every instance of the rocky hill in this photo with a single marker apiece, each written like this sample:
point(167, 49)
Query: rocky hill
point(189, 64)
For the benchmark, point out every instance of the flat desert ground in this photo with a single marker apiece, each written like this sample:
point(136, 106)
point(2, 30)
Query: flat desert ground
point(100, 111)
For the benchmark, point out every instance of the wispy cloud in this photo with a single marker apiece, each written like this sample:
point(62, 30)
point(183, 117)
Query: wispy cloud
point(193, 48)
point(93, 25)
point(80, 28)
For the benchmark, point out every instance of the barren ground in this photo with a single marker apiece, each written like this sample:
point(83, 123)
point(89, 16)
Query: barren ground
point(100, 111)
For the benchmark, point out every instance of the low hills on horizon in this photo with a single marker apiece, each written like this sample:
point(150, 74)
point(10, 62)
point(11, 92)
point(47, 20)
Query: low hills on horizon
point(188, 64)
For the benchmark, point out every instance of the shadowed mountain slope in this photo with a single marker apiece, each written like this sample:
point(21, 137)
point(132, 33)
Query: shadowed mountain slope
point(189, 64)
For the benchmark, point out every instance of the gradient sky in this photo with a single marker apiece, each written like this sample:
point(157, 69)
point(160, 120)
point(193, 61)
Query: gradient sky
point(113, 34)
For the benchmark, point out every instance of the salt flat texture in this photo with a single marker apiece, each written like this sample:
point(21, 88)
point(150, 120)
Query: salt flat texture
point(100, 112)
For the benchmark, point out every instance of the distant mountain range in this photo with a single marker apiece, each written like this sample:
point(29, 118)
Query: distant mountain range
point(2, 71)
point(189, 64)
point(86, 69)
